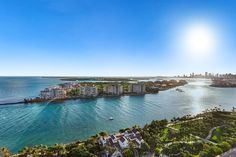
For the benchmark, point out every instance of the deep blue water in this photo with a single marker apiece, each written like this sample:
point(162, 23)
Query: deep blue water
point(18, 88)
point(28, 125)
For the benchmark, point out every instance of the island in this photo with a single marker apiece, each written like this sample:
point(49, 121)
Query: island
point(87, 78)
point(88, 90)
point(207, 134)
point(223, 82)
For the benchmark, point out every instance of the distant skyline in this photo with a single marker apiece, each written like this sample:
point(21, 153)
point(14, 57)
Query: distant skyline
point(117, 37)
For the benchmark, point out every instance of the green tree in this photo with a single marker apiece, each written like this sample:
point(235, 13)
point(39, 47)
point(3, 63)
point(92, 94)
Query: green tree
point(103, 133)
point(204, 154)
point(128, 153)
point(74, 92)
point(214, 150)
point(100, 88)
point(144, 147)
point(224, 146)
point(157, 151)
point(58, 149)
point(80, 151)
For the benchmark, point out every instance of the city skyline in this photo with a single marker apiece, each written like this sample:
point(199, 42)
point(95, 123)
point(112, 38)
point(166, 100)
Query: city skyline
point(116, 38)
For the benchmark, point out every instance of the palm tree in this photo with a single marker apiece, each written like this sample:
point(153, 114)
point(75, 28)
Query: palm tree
point(132, 145)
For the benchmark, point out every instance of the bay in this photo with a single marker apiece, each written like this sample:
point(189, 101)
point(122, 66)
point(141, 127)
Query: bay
point(49, 123)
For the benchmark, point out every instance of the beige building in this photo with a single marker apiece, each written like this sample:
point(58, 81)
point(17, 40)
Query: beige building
point(137, 88)
point(113, 89)
point(53, 93)
point(59, 93)
point(89, 91)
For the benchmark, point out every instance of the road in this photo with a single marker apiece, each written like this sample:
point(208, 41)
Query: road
point(230, 153)
point(197, 137)
point(211, 131)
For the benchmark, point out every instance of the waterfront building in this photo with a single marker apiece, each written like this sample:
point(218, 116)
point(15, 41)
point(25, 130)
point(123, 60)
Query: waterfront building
point(59, 93)
point(114, 138)
point(113, 89)
point(67, 85)
point(134, 136)
point(122, 139)
point(47, 93)
point(103, 141)
point(53, 93)
point(123, 142)
point(138, 88)
point(89, 91)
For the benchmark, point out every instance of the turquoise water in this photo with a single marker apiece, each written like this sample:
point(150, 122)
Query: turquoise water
point(28, 125)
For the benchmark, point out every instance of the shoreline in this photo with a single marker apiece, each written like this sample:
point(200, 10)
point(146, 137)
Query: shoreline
point(86, 97)
point(82, 97)
point(223, 83)
point(162, 125)
point(102, 95)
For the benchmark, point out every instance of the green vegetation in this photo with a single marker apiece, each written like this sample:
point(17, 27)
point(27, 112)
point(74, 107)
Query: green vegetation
point(185, 137)
point(128, 153)
point(125, 87)
point(100, 88)
point(157, 151)
point(144, 148)
point(74, 92)
point(205, 135)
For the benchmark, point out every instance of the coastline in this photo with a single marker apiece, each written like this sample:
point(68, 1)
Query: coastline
point(95, 146)
point(155, 91)
point(223, 83)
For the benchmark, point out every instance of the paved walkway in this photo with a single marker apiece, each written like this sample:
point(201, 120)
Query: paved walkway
point(211, 131)
point(197, 137)
point(180, 122)
point(230, 153)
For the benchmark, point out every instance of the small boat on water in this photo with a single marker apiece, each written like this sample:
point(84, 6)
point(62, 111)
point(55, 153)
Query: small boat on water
point(111, 118)
point(179, 90)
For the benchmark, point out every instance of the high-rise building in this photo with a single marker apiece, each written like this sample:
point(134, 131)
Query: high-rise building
point(113, 89)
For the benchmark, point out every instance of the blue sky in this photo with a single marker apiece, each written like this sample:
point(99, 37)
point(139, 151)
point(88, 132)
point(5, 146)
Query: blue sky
point(111, 37)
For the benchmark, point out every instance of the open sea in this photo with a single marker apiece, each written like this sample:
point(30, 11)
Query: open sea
point(28, 125)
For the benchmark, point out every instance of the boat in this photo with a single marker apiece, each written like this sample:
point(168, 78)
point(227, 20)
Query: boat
point(179, 90)
point(111, 118)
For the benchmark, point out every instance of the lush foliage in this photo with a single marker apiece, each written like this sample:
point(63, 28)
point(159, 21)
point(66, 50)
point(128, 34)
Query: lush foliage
point(183, 137)
point(74, 92)
point(128, 153)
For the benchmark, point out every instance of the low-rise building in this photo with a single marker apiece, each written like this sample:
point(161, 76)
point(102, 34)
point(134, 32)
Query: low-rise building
point(123, 142)
point(122, 139)
point(134, 136)
point(103, 141)
point(114, 139)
